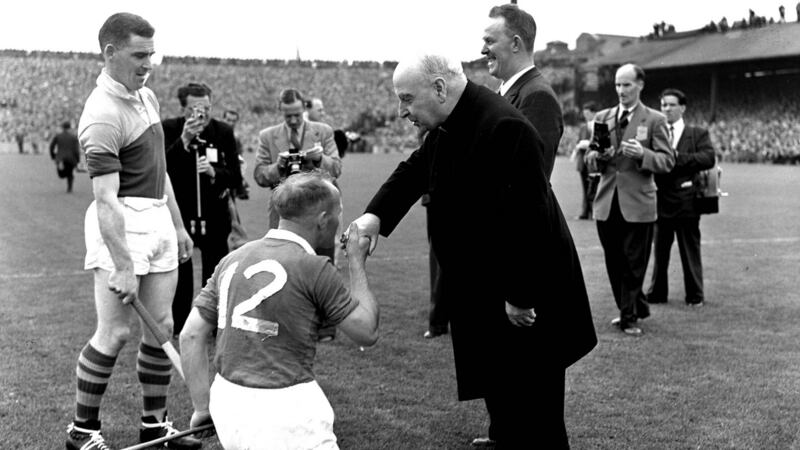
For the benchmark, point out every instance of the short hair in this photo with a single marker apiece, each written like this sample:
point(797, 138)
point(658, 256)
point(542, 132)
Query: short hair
point(193, 89)
point(118, 28)
point(591, 106)
point(675, 93)
point(435, 66)
point(289, 96)
point(518, 22)
point(304, 194)
point(66, 125)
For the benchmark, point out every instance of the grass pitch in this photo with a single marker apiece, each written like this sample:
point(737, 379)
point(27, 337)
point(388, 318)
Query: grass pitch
point(724, 376)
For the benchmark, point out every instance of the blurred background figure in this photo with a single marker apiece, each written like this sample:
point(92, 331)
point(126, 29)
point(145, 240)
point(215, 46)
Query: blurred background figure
point(65, 151)
point(588, 179)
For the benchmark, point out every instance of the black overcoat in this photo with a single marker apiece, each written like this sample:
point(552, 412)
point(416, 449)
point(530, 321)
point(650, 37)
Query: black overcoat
point(500, 236)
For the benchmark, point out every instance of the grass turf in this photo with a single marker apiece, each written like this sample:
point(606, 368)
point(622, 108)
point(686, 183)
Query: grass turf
point(724, 376)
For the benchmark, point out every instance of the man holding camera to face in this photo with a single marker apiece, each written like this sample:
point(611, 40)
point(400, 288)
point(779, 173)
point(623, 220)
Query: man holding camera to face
point(296, 145)
point(630, 143)
point(203, 164)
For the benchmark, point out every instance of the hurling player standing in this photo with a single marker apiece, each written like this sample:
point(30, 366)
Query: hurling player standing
point(518, 308)
point(268, 300)
point(134, 232)
point(508, 48)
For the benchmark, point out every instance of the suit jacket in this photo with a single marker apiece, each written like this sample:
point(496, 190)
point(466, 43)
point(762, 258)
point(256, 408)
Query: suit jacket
point(526, 256)
point(676, 190)
point(533, 96)
point(65, 147)
point(275, 139)
point(632, 180)
point(182, 170)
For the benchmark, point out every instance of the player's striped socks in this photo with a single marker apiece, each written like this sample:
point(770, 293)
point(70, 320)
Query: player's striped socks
point(93, 372)
point(154, 370)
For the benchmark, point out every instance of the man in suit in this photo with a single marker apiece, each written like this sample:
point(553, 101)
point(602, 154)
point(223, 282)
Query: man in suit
point(677, 215)
point(625, 203)
point(313, 140)
point(508, 48)
point(65, 150)
point(201, 153)
point(505, 319)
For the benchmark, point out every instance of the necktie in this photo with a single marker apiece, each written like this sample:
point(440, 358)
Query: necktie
point(623, 119)
point(672, 135)
point(295, 140)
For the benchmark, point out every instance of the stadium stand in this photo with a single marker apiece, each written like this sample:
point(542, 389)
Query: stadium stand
point(744, 82)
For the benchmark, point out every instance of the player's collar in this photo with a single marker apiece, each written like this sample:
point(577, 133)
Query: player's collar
point(114, 87)
point(286, 235)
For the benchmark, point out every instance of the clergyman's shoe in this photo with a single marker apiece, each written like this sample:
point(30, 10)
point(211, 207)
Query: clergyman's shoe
point(432, 334)
point(483, 442)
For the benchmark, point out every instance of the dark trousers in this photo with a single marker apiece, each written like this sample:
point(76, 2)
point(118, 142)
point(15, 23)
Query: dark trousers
point(626, 246)
point(211, 252)
point(437, 315)
point(438, 318)
point(589, 185)
point(687, 231)
point(530, 416)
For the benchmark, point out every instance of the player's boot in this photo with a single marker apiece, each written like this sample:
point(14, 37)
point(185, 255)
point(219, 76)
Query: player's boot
point(153, 429)
point(86, 436)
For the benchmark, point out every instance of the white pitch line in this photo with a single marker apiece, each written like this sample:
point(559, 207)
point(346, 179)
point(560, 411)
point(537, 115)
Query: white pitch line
point(47, 274)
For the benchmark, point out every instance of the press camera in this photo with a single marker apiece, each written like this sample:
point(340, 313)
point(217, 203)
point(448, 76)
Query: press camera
point(601, 138)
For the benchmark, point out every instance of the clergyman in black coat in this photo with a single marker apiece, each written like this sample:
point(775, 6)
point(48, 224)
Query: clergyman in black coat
point(519, 312)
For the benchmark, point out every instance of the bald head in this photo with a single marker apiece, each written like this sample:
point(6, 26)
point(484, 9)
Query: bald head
point(629, 82)
point(428, 88)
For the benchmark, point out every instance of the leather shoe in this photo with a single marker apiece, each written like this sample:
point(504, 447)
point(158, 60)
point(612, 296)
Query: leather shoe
point(632, 331)
point(697, 305)
point(483, 442)
point(616, 321)
point(432, 334)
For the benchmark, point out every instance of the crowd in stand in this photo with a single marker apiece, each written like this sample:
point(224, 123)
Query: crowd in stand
point(39, 92)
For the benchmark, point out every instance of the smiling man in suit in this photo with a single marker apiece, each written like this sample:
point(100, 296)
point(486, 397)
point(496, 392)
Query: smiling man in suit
point(508, 48)
point(314, 140)
point(625, 203)
point(677, 215)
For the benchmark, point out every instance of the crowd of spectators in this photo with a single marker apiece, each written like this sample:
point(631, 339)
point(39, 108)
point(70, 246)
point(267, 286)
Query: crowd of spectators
point(40, 91)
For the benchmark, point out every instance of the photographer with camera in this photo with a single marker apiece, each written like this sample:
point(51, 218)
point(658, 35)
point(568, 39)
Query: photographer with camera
point(296, 145)
point(629, 144)
point(203, 164)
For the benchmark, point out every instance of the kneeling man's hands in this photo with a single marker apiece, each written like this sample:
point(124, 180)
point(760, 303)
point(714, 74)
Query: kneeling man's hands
point(368, 226)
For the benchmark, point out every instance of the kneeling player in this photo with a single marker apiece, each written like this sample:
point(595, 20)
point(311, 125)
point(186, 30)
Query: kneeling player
point(268, 300)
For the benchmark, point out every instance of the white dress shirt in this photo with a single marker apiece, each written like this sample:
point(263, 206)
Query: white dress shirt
point(507, 84)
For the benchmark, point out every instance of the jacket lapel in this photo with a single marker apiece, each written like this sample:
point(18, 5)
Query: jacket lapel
point(513, 93)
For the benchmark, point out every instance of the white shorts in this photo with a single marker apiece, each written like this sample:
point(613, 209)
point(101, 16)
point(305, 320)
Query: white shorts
point(149, 233)
point(296, 417)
